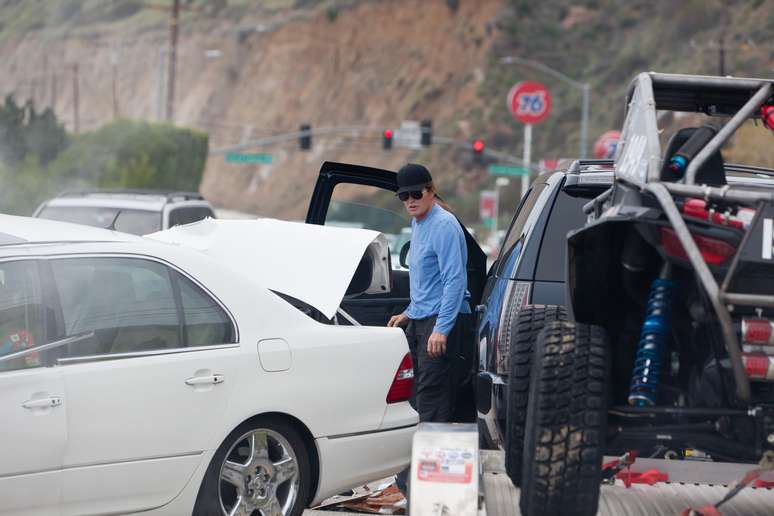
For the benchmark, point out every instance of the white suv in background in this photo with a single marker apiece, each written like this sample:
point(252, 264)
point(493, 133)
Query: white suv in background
point(131, 211)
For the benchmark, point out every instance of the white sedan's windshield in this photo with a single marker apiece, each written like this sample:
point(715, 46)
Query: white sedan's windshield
point(138, 222)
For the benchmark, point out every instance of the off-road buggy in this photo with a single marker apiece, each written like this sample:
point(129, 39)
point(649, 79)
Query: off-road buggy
point(669, 348)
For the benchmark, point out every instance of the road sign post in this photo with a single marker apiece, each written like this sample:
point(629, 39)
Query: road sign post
point(529, 102)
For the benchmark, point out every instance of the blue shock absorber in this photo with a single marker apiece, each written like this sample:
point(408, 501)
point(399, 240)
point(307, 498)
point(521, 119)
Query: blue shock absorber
point(647, 365)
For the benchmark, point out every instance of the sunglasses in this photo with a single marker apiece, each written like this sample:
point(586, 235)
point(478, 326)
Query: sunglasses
point(415, 194)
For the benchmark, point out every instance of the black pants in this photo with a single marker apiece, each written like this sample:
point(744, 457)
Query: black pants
point(437, 380)
point(440, 382)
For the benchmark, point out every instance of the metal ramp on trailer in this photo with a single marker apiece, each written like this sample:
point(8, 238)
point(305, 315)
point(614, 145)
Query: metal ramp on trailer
point(501, 498)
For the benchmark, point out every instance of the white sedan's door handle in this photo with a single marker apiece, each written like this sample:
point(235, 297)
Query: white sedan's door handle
point(51, 401)
point(212, 379)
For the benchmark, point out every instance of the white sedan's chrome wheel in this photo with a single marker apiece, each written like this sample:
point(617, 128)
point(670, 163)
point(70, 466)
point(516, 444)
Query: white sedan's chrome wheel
point(259, 473)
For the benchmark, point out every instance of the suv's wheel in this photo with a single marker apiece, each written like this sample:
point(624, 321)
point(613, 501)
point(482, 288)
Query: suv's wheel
point(521, 336)
point(566, 421)
point(262, 468)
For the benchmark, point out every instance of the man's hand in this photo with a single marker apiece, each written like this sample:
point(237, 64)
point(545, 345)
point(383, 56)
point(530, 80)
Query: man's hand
point(398, 321)
point(436, 345)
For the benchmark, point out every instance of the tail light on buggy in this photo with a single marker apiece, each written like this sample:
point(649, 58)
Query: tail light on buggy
point(403, 383)
point(697, 209)
point(758, 331)
point(758, 346)
point(758, 366)
point(713, 250)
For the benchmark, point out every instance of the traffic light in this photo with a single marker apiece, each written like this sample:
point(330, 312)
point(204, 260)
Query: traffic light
point(305, 138)
point(478, 151)
point(387, 141)
point(427, 132)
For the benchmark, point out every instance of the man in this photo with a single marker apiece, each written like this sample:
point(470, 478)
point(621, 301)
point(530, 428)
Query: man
point(438, 318)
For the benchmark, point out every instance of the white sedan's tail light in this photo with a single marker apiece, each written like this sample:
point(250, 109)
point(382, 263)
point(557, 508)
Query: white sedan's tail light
point(403, 384)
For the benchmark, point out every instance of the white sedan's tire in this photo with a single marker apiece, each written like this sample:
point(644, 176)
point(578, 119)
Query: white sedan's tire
point(262, 468)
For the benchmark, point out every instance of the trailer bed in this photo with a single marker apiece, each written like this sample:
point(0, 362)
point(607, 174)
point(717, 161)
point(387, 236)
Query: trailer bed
point(501, 498)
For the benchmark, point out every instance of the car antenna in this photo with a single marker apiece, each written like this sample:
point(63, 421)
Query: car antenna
point(112, 225)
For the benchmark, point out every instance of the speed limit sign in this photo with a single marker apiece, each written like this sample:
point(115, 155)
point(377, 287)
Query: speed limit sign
point(529, 102)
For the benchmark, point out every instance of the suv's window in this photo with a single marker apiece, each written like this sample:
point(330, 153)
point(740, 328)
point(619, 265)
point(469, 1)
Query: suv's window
point(128, 303)
point(514, 239)
point(566, 215)
point(138, 222)
point(21, 314)
point(205, 322)
point(367, 207)
point(180, 216)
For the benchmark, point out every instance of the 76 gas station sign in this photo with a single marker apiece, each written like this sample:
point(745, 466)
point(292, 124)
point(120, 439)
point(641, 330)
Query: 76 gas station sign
point(529, 102)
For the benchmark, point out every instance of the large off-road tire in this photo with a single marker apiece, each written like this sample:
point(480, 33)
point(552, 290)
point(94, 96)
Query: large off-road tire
point(521, 335)
point(566, 421)
point(263, 466)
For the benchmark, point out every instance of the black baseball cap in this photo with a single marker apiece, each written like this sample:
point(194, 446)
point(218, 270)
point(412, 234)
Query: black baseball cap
point(412, 177)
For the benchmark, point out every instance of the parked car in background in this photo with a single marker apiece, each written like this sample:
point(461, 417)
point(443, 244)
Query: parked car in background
point(163, 375)
point(131, 211)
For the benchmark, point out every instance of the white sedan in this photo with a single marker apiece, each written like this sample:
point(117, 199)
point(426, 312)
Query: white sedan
point(170, 374)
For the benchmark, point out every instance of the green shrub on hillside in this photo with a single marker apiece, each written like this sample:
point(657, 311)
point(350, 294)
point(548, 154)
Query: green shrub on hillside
point(135, 154)
point(123, 154)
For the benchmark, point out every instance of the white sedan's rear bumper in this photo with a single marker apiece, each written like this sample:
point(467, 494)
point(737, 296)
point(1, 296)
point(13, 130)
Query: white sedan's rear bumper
point(351, 460)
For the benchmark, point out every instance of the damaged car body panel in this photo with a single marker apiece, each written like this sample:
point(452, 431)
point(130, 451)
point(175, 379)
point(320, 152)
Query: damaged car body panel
point(316, 265)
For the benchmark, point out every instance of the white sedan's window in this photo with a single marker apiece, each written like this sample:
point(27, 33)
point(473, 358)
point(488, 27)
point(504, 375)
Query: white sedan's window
point(206, 323)
point(21, 314)
point(128, 303)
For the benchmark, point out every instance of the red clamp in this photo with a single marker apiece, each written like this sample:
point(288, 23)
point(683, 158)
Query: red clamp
point(611, 469)
point(650, 477)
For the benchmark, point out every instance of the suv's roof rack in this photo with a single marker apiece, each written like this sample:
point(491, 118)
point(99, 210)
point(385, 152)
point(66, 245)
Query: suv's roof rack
point(169, 195)
point(748, 169)
point(590, 165)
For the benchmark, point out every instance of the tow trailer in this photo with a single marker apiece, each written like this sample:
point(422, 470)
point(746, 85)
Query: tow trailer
point(450, 476)
point(635, 485)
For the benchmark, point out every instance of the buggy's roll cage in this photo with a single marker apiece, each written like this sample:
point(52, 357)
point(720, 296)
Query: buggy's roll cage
point(639, 161)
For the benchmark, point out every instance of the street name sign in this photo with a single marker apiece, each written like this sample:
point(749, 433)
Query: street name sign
point(507, 170)
point(409, 134)
point(239, 157)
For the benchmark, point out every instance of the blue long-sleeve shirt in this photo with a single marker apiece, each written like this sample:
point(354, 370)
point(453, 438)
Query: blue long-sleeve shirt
point(437, 269)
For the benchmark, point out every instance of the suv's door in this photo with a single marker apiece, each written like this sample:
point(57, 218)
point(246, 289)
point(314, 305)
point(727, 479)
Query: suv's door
point(335, 198)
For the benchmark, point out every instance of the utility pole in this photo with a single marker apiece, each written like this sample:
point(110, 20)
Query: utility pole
point(76, 121)
point(114, 63)
point(44, 81)
point(722, 54)
point(173, 22)
point(53, 91)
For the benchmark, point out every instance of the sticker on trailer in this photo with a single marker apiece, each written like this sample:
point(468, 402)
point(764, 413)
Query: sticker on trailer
point(768, 239)
point(444, 470)
point(447, 465)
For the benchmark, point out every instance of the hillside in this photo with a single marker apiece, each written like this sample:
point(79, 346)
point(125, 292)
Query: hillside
point(249, 69)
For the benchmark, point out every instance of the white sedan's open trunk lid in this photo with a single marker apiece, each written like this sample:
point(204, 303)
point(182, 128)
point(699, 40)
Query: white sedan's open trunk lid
point(314, 264)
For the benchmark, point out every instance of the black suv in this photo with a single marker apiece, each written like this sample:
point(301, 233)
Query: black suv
point(525, 288)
